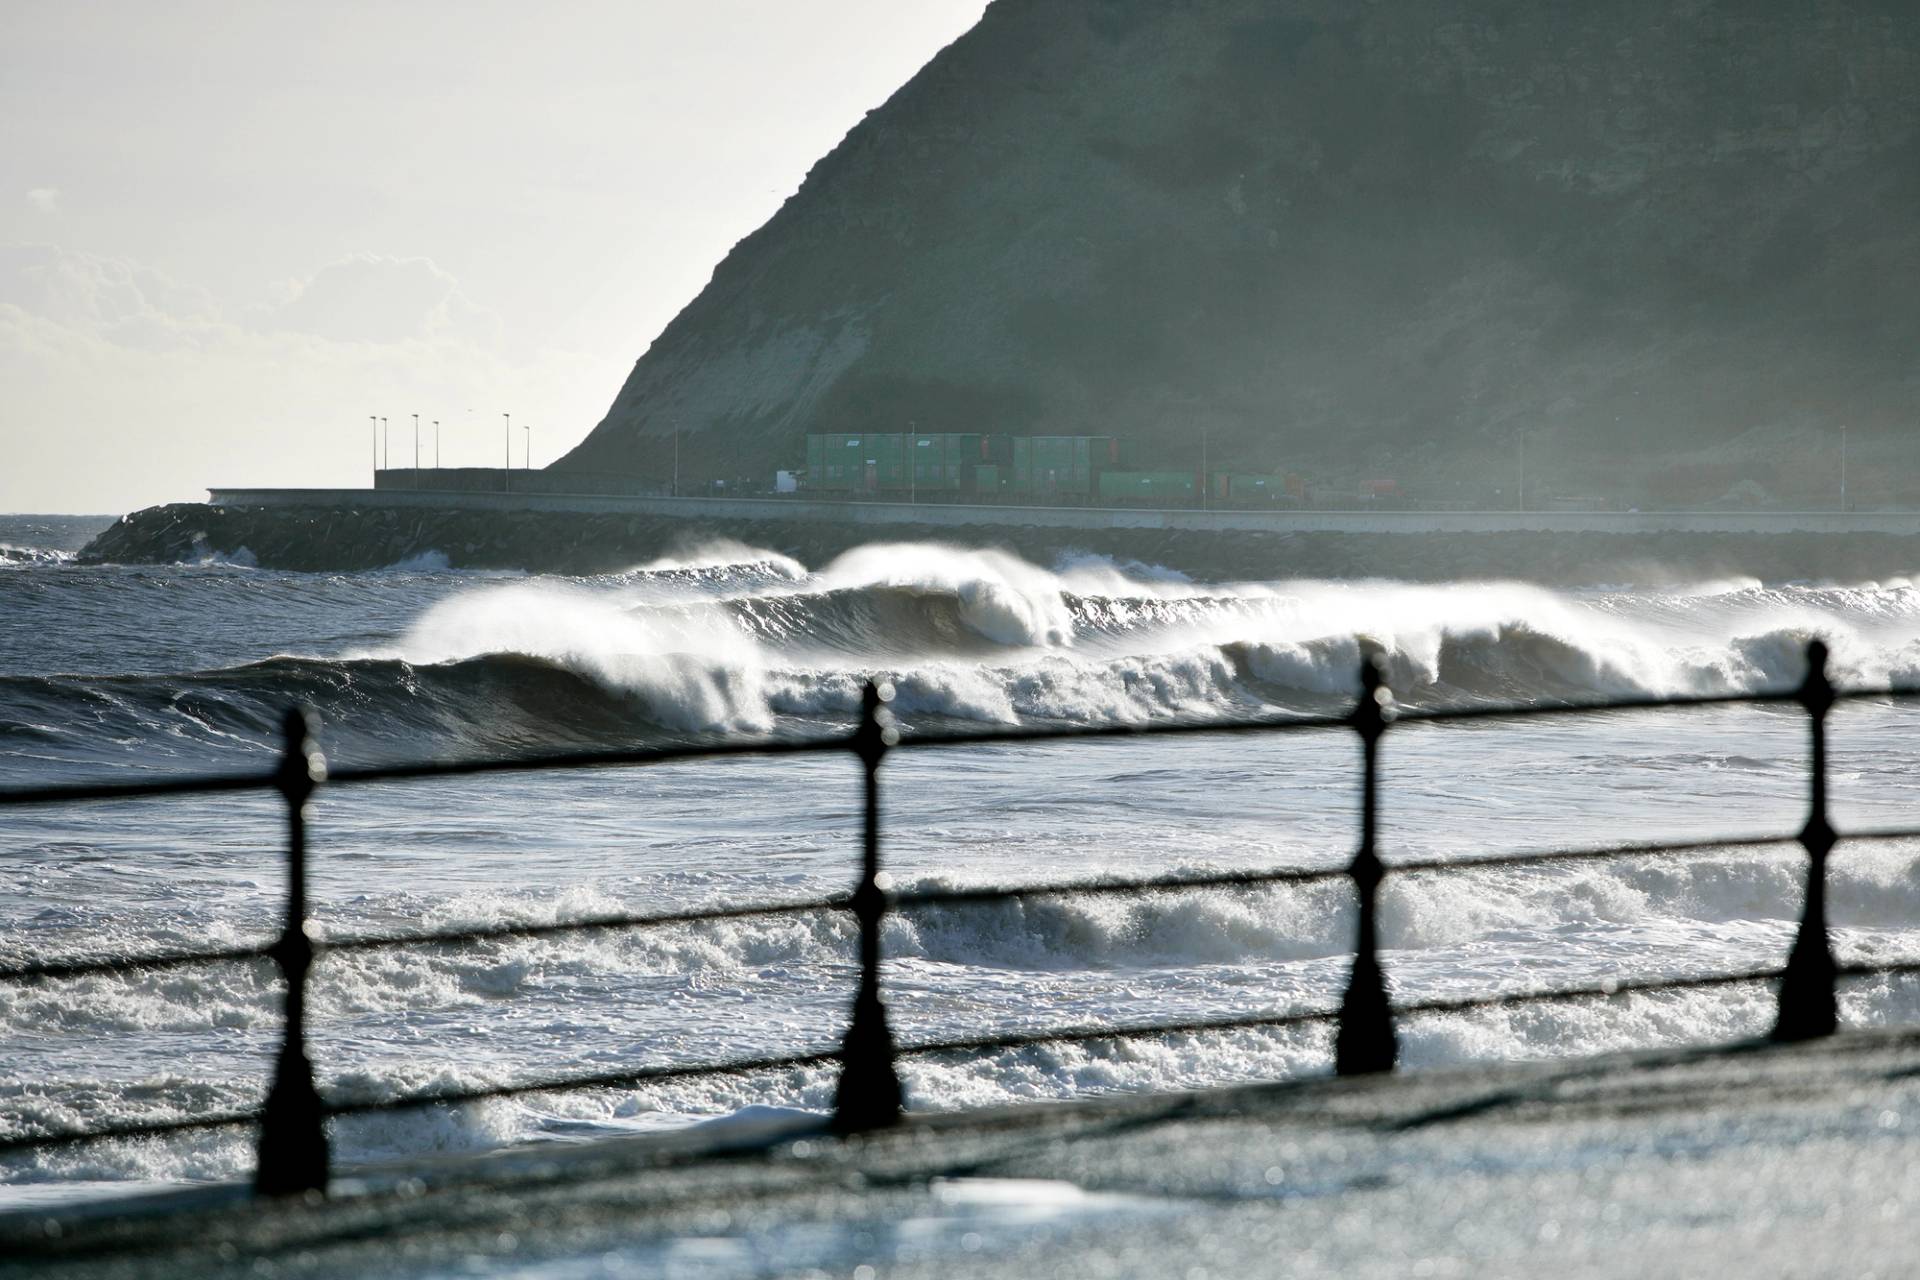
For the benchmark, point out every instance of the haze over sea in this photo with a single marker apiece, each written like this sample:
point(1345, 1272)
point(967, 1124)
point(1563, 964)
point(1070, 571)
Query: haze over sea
point(121, 671)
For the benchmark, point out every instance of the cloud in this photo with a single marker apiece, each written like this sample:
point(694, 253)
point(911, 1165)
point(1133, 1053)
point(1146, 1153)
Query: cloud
point(367, 298)
point(45, 199)
point(117, 300)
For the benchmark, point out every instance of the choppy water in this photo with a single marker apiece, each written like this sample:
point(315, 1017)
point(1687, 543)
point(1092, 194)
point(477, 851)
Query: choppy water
point(113, 671)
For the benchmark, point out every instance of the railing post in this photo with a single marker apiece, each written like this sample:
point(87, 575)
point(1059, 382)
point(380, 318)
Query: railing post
point(869, 1096)
point(1365, 1042)
point(1808, 1008)
point(293, 1137)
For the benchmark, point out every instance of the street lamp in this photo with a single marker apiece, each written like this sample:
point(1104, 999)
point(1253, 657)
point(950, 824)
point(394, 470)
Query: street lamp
point(1521, 437)
point(1205, 478)
point(528, 428)
point(373, 420)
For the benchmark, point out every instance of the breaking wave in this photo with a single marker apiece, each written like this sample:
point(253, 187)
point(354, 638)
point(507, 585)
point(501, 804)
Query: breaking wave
point(12, 557)
point(413, 661)
point(746, 642)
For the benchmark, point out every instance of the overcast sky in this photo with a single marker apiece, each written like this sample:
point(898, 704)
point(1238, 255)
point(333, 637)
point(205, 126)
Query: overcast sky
point(231, 231)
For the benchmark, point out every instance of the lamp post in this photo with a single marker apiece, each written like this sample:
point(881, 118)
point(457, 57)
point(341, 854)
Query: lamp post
point(528, 428)
point(373, 420)
point(1520, 436)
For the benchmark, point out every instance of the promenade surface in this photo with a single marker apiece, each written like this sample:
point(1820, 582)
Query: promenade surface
point(1757, 1161)
point(961, 515)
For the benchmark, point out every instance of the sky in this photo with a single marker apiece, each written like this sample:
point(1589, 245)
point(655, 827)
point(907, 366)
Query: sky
point(232, 232)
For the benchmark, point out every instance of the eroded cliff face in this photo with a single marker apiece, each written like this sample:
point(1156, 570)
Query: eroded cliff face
point(1363, 238)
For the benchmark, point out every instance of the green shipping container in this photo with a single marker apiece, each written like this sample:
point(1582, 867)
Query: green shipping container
point(895, 462)
point(1148, 487)
point(941, 461)
point(852, 462)
point(1256, 488)
point(1060, 466)
point(944, 462)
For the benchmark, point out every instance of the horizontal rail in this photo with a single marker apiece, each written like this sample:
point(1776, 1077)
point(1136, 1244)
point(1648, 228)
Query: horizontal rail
point(1414, 866)
point(1877, 835)
point(906, 901)
point(605, 1080)
point(587, 924)
point(66, 793)
point(148, 1129)
point(979, 1044)
point(294, 1148)
point(80, 968)
point(186, 784)
point(1543, 710)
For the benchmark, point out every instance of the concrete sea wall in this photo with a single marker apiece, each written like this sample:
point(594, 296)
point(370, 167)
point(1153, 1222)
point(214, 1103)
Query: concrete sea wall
point(361, 529)
point(956, 515)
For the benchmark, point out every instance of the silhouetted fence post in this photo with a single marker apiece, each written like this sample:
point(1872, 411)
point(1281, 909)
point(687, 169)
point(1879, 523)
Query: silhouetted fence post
point(869, 1096)
point(293, 1137)
point(1365, 1042)
point(1807, 1004)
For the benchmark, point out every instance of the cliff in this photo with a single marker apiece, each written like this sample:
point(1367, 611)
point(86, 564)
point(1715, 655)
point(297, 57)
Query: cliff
point(1375, 238)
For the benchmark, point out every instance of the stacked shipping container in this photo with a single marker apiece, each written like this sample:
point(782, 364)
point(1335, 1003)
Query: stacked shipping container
point(987, 465)
point(1036, 468)
point(897, 461)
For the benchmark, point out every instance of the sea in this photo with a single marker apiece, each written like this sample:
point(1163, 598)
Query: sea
point(122, 672)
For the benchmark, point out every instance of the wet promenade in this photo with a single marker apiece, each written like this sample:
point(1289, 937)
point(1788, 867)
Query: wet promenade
point(1750, 1161)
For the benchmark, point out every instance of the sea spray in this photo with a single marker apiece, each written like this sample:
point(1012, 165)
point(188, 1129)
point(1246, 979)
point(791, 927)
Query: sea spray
point(138, 672)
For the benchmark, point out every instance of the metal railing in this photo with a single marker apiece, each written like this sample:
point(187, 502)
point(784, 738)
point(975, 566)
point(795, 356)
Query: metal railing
point(293, 1146)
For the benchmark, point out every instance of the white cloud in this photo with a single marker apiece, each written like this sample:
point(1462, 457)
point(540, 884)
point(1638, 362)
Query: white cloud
point(118, 300)
point(45, 199)
point(368, 298)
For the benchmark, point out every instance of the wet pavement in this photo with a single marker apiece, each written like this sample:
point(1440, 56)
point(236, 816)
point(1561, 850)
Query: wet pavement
point(1754, 1161)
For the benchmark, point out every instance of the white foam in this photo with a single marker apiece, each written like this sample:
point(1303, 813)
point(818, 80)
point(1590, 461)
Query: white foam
point(694, 669)
point(721, 553)
point(1098, 641)
point(14, 557)
point(421, 562)
point(1088, 641)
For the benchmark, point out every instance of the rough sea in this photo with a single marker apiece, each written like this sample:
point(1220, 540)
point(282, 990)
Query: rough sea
point(112, 672)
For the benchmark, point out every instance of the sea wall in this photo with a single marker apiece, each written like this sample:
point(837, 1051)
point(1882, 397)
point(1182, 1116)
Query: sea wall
point(375, 532)
point(551, 499)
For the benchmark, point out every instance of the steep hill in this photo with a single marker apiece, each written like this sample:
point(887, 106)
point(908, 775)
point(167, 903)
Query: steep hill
point(1662, 238)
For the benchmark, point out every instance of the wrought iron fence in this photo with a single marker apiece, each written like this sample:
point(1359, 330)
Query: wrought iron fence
point(294, 1155)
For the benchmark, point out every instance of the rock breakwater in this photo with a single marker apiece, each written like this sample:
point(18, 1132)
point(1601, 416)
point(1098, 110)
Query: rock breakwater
point(346, 539)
